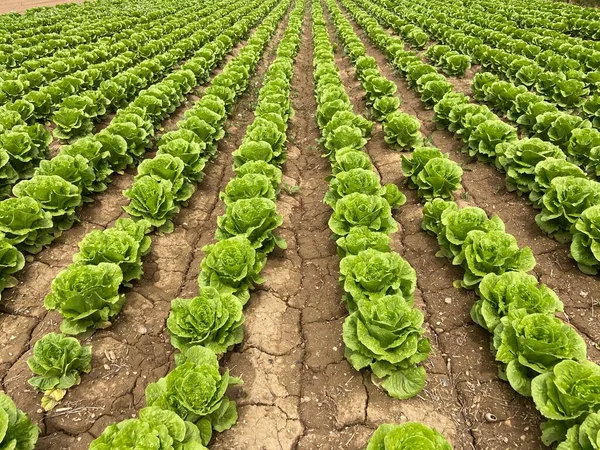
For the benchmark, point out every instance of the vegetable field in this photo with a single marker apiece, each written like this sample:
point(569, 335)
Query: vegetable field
point(300, 225)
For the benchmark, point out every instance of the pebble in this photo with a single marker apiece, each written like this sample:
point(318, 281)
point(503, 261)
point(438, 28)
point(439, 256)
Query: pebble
point(448, 300)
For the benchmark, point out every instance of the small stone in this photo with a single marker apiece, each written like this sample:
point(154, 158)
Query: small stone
point(448, 300)
point(439, 330)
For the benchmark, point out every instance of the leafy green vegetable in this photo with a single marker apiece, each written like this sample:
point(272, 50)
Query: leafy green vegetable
point(25, 224)
point(213, 320)
point(494, 251)
point(584, 436)
point(563, 204)
point(500, 295)
point(456, 224)
point(385, 333)
point(407, 436)
point(87, 296)
point(372, 274)
point(440, 178)
point(362, 238)
point(530, 344)
point(402, 131)
point(569, 391)
point(195, 391)
point(57, 361)
point(412, 167)
point(253, 218)
point(123, 245)
point(585, 247)
point(250, 185)
point(152, 200)
point(372, 211)
point(55, 195)
point(156, 429)
point(546, 171)
point(432, 214)
point(232, 266)
point(16, 430)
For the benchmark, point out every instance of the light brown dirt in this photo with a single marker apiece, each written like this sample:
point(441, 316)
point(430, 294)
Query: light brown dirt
point(23, 5)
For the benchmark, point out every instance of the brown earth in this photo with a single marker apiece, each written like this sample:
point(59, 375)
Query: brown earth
point(299, 391)
point(22, 5)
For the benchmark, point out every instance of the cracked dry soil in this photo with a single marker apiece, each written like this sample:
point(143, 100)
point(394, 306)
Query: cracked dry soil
point(299, 392)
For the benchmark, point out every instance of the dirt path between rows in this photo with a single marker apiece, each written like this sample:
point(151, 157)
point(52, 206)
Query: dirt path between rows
point(135, 350)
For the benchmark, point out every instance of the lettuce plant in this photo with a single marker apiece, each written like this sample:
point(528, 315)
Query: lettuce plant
point(402, 131)
point(519, 159)
point(440, 178)
point(255, 219)
point(488, 134)
point(25, 224)
point(346, 159)
point(412, 167)
point(155, 429)
point(530, 344)
point(383, 106)
point(363, 181)
point(195, 391)
point(547, 170)
point(371, 274)
point(362, 238)
point(57, 361)
point(407, 436)
point(170, 168)
point(76, 170)
point(563, 204)
point(372, 211)
point(584, 436)
point(273, 173)
point(16, 431)
point(232, 266)
point(153, 200)
point(11, 261)
point(192, 155)
point(386, 334)
point(500, 295)
point(585, 247)
point(494, 251)
point(432, 214)
point(87, 296)
point(569, 391)
point(251, 185)
point(213, 320)
point(55, 195)
point(253, 151)
point(455, 225)
point(123, 245)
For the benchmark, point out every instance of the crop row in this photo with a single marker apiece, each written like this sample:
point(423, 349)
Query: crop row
point(379, 284)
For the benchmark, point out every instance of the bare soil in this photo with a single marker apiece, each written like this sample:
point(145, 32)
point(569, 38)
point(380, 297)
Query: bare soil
point(22, 5)
point(299, 392)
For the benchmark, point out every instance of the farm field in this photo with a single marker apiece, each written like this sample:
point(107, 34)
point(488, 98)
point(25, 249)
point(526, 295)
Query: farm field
point(299, 225)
